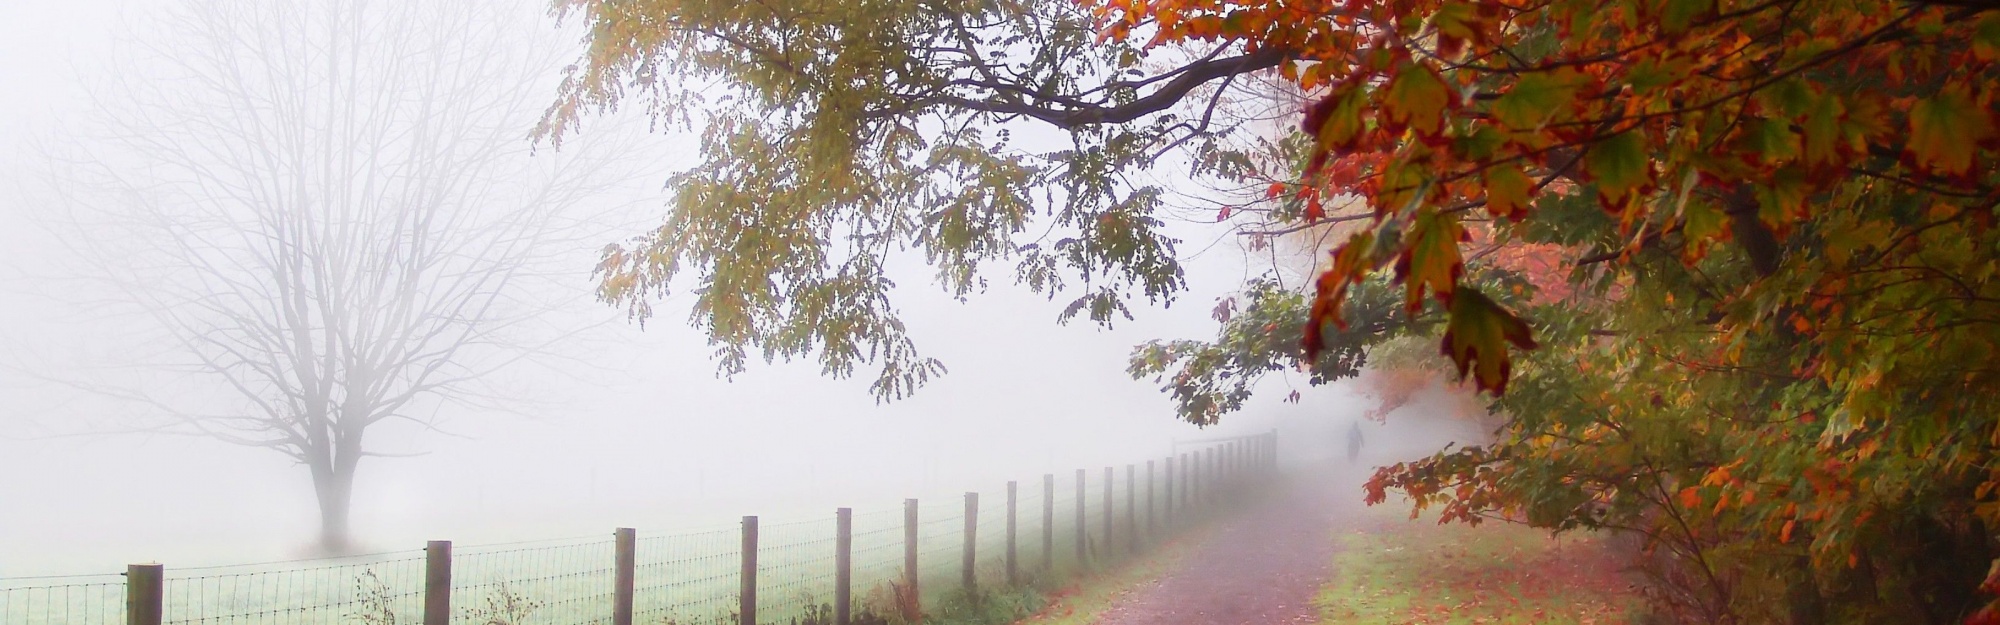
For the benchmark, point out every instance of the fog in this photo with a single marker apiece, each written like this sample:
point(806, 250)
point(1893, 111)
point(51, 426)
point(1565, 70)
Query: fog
point(618, 426)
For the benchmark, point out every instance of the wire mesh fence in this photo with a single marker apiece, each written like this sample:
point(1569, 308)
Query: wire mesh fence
point(1062, 525)
point(62, 599)
point(566, 582)
point(344, 590)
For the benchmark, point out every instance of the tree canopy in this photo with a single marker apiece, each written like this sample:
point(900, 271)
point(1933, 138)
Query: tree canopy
point(1726, 268)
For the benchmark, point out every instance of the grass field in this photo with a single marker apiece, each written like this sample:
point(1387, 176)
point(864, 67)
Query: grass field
point(1418, 572)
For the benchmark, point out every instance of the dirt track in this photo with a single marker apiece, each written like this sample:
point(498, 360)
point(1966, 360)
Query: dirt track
point(1262, 566)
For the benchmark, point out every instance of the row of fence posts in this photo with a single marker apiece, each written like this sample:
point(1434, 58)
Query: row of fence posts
point(1203, 473)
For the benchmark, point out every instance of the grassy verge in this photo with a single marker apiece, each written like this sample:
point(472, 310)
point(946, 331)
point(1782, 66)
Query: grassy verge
point(1418, 572)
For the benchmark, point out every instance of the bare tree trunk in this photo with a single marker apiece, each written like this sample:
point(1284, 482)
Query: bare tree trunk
point(333, 468)
point(335, 488)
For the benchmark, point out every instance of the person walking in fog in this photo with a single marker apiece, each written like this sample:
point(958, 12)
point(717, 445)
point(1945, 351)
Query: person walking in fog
point(1353, 442)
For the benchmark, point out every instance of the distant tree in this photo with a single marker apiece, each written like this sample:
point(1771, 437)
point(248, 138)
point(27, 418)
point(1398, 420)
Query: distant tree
point(330, 212)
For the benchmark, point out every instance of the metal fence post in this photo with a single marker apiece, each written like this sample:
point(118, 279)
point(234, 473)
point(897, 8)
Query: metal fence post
point(1187, 482)
point(843, 565)
point(971, 543)
point(626, 542)
point(437, 582)
point(1013, 567)
point(913, 602)
point(144, 603)
point(1167, 511)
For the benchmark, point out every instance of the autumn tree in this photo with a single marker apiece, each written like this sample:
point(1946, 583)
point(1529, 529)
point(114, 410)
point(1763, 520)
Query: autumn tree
point(1775, 216)
point(1781, 218)
point(326, 219)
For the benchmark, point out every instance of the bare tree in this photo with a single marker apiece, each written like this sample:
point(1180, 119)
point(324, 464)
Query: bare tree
point(329, 210)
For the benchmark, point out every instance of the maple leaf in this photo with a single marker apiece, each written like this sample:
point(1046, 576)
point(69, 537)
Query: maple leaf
point(1476, 338)
point(1431, 260)
point(1534, 98)
point(1456, 23)
point(1330, 291)
point(1507, 190)
point(1336, 122)
point(1417, 99)
point(1944, 131)
point(1621, 168)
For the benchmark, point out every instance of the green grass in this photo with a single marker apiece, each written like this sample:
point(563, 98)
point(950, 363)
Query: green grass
point(1417, 572)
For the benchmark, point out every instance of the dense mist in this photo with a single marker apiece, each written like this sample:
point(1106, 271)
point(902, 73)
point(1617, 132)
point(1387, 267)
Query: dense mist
point(608, 424)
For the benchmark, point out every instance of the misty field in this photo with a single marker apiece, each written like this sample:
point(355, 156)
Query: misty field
point(681, 577)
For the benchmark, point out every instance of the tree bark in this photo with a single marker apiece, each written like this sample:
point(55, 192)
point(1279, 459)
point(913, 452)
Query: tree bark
point(333, 484)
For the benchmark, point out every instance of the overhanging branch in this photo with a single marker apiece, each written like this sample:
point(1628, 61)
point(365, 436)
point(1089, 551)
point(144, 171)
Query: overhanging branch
point(1069, 117)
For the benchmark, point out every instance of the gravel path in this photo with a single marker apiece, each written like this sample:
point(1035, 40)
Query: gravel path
point(1263, 566)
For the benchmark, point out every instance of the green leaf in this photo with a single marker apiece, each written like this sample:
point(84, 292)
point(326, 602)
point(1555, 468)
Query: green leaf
point(1944, 131)
point(1679, 14)
point(1772, 141)
point(1534, 99)
point(1417, 99)
point(1507, 191)
point(1986, 37)
point(1476, 338)
point(1344, 122)
point(1431, 259)
point(1456, 23)
point(1620, 168)
point(1820, 130)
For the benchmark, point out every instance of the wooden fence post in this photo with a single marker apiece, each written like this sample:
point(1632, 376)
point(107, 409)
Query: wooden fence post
point(747, 600)
point(1132, 507)
point(1152, 484)
point(1213, 479)
point(144, 594)
point(1274, 450)
point(1013, 567)
point(1110, 506)
point(437, 582)
point(1082, 525)
point(1229, 461)
point(843, 565)
point(1187, 483)
point(626, 543)
point(1048, 522)
point(1194, 482)
point(971, 543)
point(1167, 511)
point(913, 602)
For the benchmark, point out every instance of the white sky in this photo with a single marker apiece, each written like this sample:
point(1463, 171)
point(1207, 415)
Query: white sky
point(666, 445)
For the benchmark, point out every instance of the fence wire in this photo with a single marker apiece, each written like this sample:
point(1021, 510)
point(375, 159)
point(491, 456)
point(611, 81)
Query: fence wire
point(795, 569)
point(63, 599)
point(569, 583)
point(336, 590)
point(685, 578)
point(688, 578)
